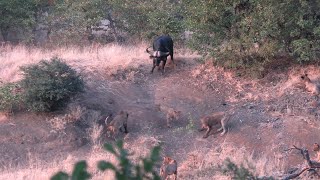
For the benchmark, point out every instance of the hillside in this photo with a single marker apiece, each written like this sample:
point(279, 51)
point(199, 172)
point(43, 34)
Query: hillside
point(271, 114)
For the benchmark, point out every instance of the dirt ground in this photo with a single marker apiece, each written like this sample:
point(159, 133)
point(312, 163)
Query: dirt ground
point(271, 114)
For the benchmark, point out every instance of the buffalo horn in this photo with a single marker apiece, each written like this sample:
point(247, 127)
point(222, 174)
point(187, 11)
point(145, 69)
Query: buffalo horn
point(160, 54)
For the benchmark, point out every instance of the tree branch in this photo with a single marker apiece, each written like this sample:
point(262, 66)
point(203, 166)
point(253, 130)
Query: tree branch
point(312, 164)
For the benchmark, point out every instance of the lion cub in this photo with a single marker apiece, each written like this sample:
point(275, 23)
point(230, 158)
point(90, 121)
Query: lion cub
point(169, 167)
point(310, 86)
point(171, 114)
point(316, 148)
point(218, 118)
point(116, 125)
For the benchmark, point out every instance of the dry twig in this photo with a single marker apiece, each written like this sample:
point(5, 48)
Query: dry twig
point(313, 165)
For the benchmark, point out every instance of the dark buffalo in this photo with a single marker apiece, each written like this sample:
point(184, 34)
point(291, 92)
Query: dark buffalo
point(162, 48)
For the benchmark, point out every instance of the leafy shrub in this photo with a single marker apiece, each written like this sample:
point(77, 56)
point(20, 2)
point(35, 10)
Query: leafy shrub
point(126, 170)
point(10, 97)
point(239, 173)
point(302, 50)
point(49, 85)
point(250, 32)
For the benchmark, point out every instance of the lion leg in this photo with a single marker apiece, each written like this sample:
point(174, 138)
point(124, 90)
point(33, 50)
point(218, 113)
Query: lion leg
point(175, 175)
point(168, 122)
point(207, 132)
point(202, 129)
point(223, 126)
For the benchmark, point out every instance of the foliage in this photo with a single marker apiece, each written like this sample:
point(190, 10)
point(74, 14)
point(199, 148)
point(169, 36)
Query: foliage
point(49, 85)
point(10, 97)
point(19, 16)
point(15, 13)
point(148, 19)
point(126, 170)
point(190, 126)
point(250, 31)
point(239, 173)
point(235, 33)
point(79, 173)
point(144, 19)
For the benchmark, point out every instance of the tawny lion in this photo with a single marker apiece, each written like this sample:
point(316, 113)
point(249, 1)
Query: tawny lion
point(169, 167)
point(218, 118)
point(116, 125)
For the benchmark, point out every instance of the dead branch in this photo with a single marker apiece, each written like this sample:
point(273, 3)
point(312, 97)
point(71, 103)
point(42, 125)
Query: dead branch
point(313, 165)
point(291, 176)
point(294, 147)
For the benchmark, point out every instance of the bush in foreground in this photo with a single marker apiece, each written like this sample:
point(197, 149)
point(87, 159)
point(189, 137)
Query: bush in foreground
point(126, 170)
point(240, 172)
point(49, 85)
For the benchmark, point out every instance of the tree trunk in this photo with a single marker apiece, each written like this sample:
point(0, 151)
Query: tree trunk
point(113, 27)
point(4, 33)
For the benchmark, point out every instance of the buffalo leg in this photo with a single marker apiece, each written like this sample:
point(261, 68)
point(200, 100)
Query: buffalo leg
point(164, 64)
point(171, 56)
point(174, 64)
point(154, 65)
point(125, 128)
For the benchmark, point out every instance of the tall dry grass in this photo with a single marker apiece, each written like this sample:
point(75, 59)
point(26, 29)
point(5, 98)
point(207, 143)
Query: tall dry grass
point(206, 164)
point(39, 170)
point(88, 58)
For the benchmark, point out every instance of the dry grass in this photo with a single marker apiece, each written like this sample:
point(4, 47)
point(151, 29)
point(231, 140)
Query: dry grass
point(204, 163)
point(12, 58)
point(41, 170)
point(75, 112)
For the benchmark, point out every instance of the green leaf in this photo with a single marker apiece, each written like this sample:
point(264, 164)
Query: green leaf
point(120, 144)
point(103, 165)
point(109, 148)
point(80, 171)
point(60, 176)
point(155, 153)
point(147, 165)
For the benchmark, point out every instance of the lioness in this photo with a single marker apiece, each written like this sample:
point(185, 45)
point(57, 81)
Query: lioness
point(119, 122)
point(310, 86)
point(169, 167)
point(218, 118)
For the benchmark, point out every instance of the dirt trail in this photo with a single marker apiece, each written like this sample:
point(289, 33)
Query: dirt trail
point(265, 124)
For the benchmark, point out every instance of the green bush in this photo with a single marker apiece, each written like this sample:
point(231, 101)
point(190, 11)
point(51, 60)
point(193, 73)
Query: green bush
point(10, 97)
point(126, 170)
point(49, 85)
point(230, 30)
point(240, 172)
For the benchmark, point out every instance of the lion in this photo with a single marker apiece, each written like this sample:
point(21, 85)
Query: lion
point(316, 148)
point(218, 118)
point(171, 114)
point(169, 167)
point(118, 124)
point(309, 85)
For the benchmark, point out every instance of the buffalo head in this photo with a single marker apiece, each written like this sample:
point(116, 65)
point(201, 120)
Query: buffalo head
point(157, 56)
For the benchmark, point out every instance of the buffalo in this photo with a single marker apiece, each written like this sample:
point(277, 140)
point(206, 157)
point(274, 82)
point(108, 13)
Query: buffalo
point(162, 48)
